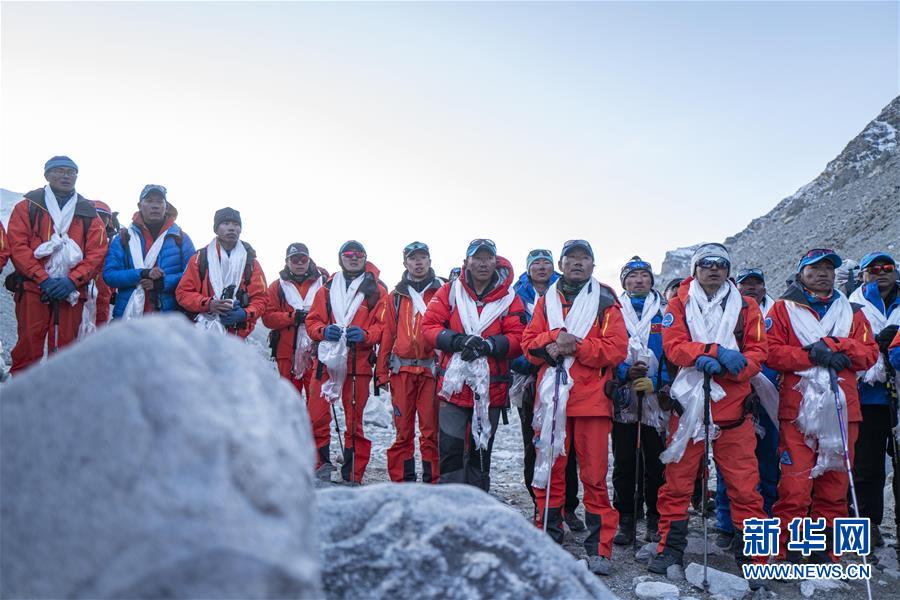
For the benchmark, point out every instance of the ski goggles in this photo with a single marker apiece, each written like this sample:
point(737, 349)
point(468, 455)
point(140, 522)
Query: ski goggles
point(879, 269)
point(415, 246)
point(299, 259)
point(152, 188)
point(353, 254)
point(479, 243)
point(710, 262)
point(747, 273)
point(818, 254)
point(538, 254)
point(573, 244)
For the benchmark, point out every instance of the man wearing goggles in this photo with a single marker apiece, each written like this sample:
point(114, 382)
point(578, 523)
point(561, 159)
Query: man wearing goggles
point(532, 284)
point(290, 299)
point(881, 306)
point(710, 330)
point(155, 261)
point(642, 373)
point(816, 339)
point(406, 362)
point(344, 319)
point(477, 323)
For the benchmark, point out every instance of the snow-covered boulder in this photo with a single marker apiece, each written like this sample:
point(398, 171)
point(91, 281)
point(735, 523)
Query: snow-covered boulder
point(446, 541)
point(152, 460)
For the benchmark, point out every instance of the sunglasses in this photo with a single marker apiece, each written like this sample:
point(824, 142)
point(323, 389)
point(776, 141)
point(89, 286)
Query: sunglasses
point(482, 242)
point(817, 252)
point(299, 259)
point(750, 273)
point(879, 269)
point(353, 254)
point(713, 261)
point(540, 254)
point(637, 264)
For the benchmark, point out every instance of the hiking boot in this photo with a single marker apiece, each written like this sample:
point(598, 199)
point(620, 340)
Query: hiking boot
point(573, 522)
point(660, 563)
point(625, 533)
point(652, 534)
point(323, 473)
point(877, 539)
point(724, 539)
point(555, 525)
point(599, 565)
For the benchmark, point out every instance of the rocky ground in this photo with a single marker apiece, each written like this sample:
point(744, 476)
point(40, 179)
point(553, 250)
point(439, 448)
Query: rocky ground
point(508, 487)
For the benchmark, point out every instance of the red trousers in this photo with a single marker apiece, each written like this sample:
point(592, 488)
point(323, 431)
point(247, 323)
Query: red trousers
point(590, 437)
point(798, 495)
point(320, 415)
point(735, 454)
point(284, 369)
point(35, 325)
point(413, 394)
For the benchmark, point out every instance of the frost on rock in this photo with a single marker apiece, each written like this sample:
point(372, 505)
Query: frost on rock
point(152, 460)
point(720, 583)
point(446, 541)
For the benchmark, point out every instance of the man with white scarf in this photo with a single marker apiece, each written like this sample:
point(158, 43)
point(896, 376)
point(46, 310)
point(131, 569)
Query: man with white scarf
point(57, 243)
point(289, 301)
point(816, 331)
point(880, 303)
point(752, 282)
point(642, 372)
point(223, 283)
point(344, 322)
point(477, 322)
point(710, 329)
point(578, 337)
point(146, 261)
point(406, 362)
point(539, 275)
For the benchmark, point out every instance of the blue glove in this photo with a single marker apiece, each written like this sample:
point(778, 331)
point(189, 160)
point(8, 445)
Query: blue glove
point(355, 335)
point(895, 357)
point(234, 316)
point(708, 365)
point(732, 360)
point(332, 333)
point(49, 285)
point(66, 286)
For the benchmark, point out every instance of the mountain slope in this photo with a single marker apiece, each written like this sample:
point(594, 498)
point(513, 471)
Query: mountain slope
point(853, 206)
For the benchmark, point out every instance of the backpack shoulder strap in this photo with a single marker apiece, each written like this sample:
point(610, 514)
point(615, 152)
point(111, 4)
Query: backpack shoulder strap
point(202, 263)
point(248, 266)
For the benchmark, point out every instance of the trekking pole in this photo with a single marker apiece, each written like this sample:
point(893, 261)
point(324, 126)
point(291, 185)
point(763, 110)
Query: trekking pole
point(560, 375)
point(55, 327)
point(891, 385)
point(637, 465)
point(337, 427)
point(707, 400)
point(835, 389)
point(353, 405)
point(475, 412)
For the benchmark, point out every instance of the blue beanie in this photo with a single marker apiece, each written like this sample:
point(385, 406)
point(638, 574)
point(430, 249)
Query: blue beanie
point(60, 161)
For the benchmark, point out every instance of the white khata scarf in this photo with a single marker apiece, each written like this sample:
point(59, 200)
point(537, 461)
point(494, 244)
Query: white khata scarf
point(709, 323)
point(63, 251)
point(476, 374)
point(639, 351)
point(135, 306)
point(878, 321)
point(223, 270)
point(578, 322)
point(345, 301)
point(818, 417)
point(89, 312)
point(303, 350)
point(418, 303)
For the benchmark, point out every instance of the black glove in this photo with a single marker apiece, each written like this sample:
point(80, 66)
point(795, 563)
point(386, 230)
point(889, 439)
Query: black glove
point(839, 361)
point(299, 317)
point(885, 337)
point(636, 371)
point(458, 343)
point(819, 354)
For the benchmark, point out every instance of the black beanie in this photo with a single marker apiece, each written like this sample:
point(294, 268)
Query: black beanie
point(226, 214)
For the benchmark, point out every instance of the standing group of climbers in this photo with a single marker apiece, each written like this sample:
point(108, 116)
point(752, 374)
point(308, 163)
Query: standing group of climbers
point(585, 367)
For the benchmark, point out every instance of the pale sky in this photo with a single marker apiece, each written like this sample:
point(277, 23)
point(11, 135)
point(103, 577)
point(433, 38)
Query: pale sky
point(638, 126)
